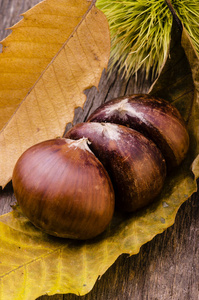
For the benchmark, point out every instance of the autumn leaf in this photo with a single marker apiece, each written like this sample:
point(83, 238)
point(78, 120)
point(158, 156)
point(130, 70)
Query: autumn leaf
point(57, 51)
point(178, 82)
point(66, 266)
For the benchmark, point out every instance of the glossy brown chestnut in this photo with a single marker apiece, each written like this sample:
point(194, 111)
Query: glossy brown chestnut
point(156, 118)
point(63, 189)
point(134, 163)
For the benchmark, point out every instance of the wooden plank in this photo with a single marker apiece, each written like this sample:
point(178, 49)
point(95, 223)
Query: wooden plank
point(167, 267)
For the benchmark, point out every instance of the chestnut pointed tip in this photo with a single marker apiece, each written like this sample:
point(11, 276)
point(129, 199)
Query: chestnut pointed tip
point(80, 143)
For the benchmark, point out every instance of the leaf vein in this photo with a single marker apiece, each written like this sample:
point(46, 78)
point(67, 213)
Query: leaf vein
point(40, 112)
point(41, 257)
point(74, 78)
point(51, 102)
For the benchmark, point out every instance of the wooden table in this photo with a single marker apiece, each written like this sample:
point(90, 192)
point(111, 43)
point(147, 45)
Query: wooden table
point(167, 267)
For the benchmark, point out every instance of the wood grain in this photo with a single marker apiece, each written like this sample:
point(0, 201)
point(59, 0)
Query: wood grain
point(167, 267)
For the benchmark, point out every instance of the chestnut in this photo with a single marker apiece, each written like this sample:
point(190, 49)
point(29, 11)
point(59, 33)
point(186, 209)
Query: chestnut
point(64, 189)
point(156, 118)
point(134, 163)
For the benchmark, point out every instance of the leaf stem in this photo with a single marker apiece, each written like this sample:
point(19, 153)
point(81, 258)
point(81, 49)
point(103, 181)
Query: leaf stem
point(168, 2)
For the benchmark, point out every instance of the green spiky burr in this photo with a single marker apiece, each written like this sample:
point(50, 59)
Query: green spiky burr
point(140, 32)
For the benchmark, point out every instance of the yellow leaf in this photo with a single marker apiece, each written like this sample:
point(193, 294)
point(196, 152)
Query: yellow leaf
point(57, 51)
point(66, 266)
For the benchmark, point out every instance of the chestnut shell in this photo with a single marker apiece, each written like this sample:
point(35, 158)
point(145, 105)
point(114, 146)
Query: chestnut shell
point(156, 118)
point(135, 165)
point(63, 189)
